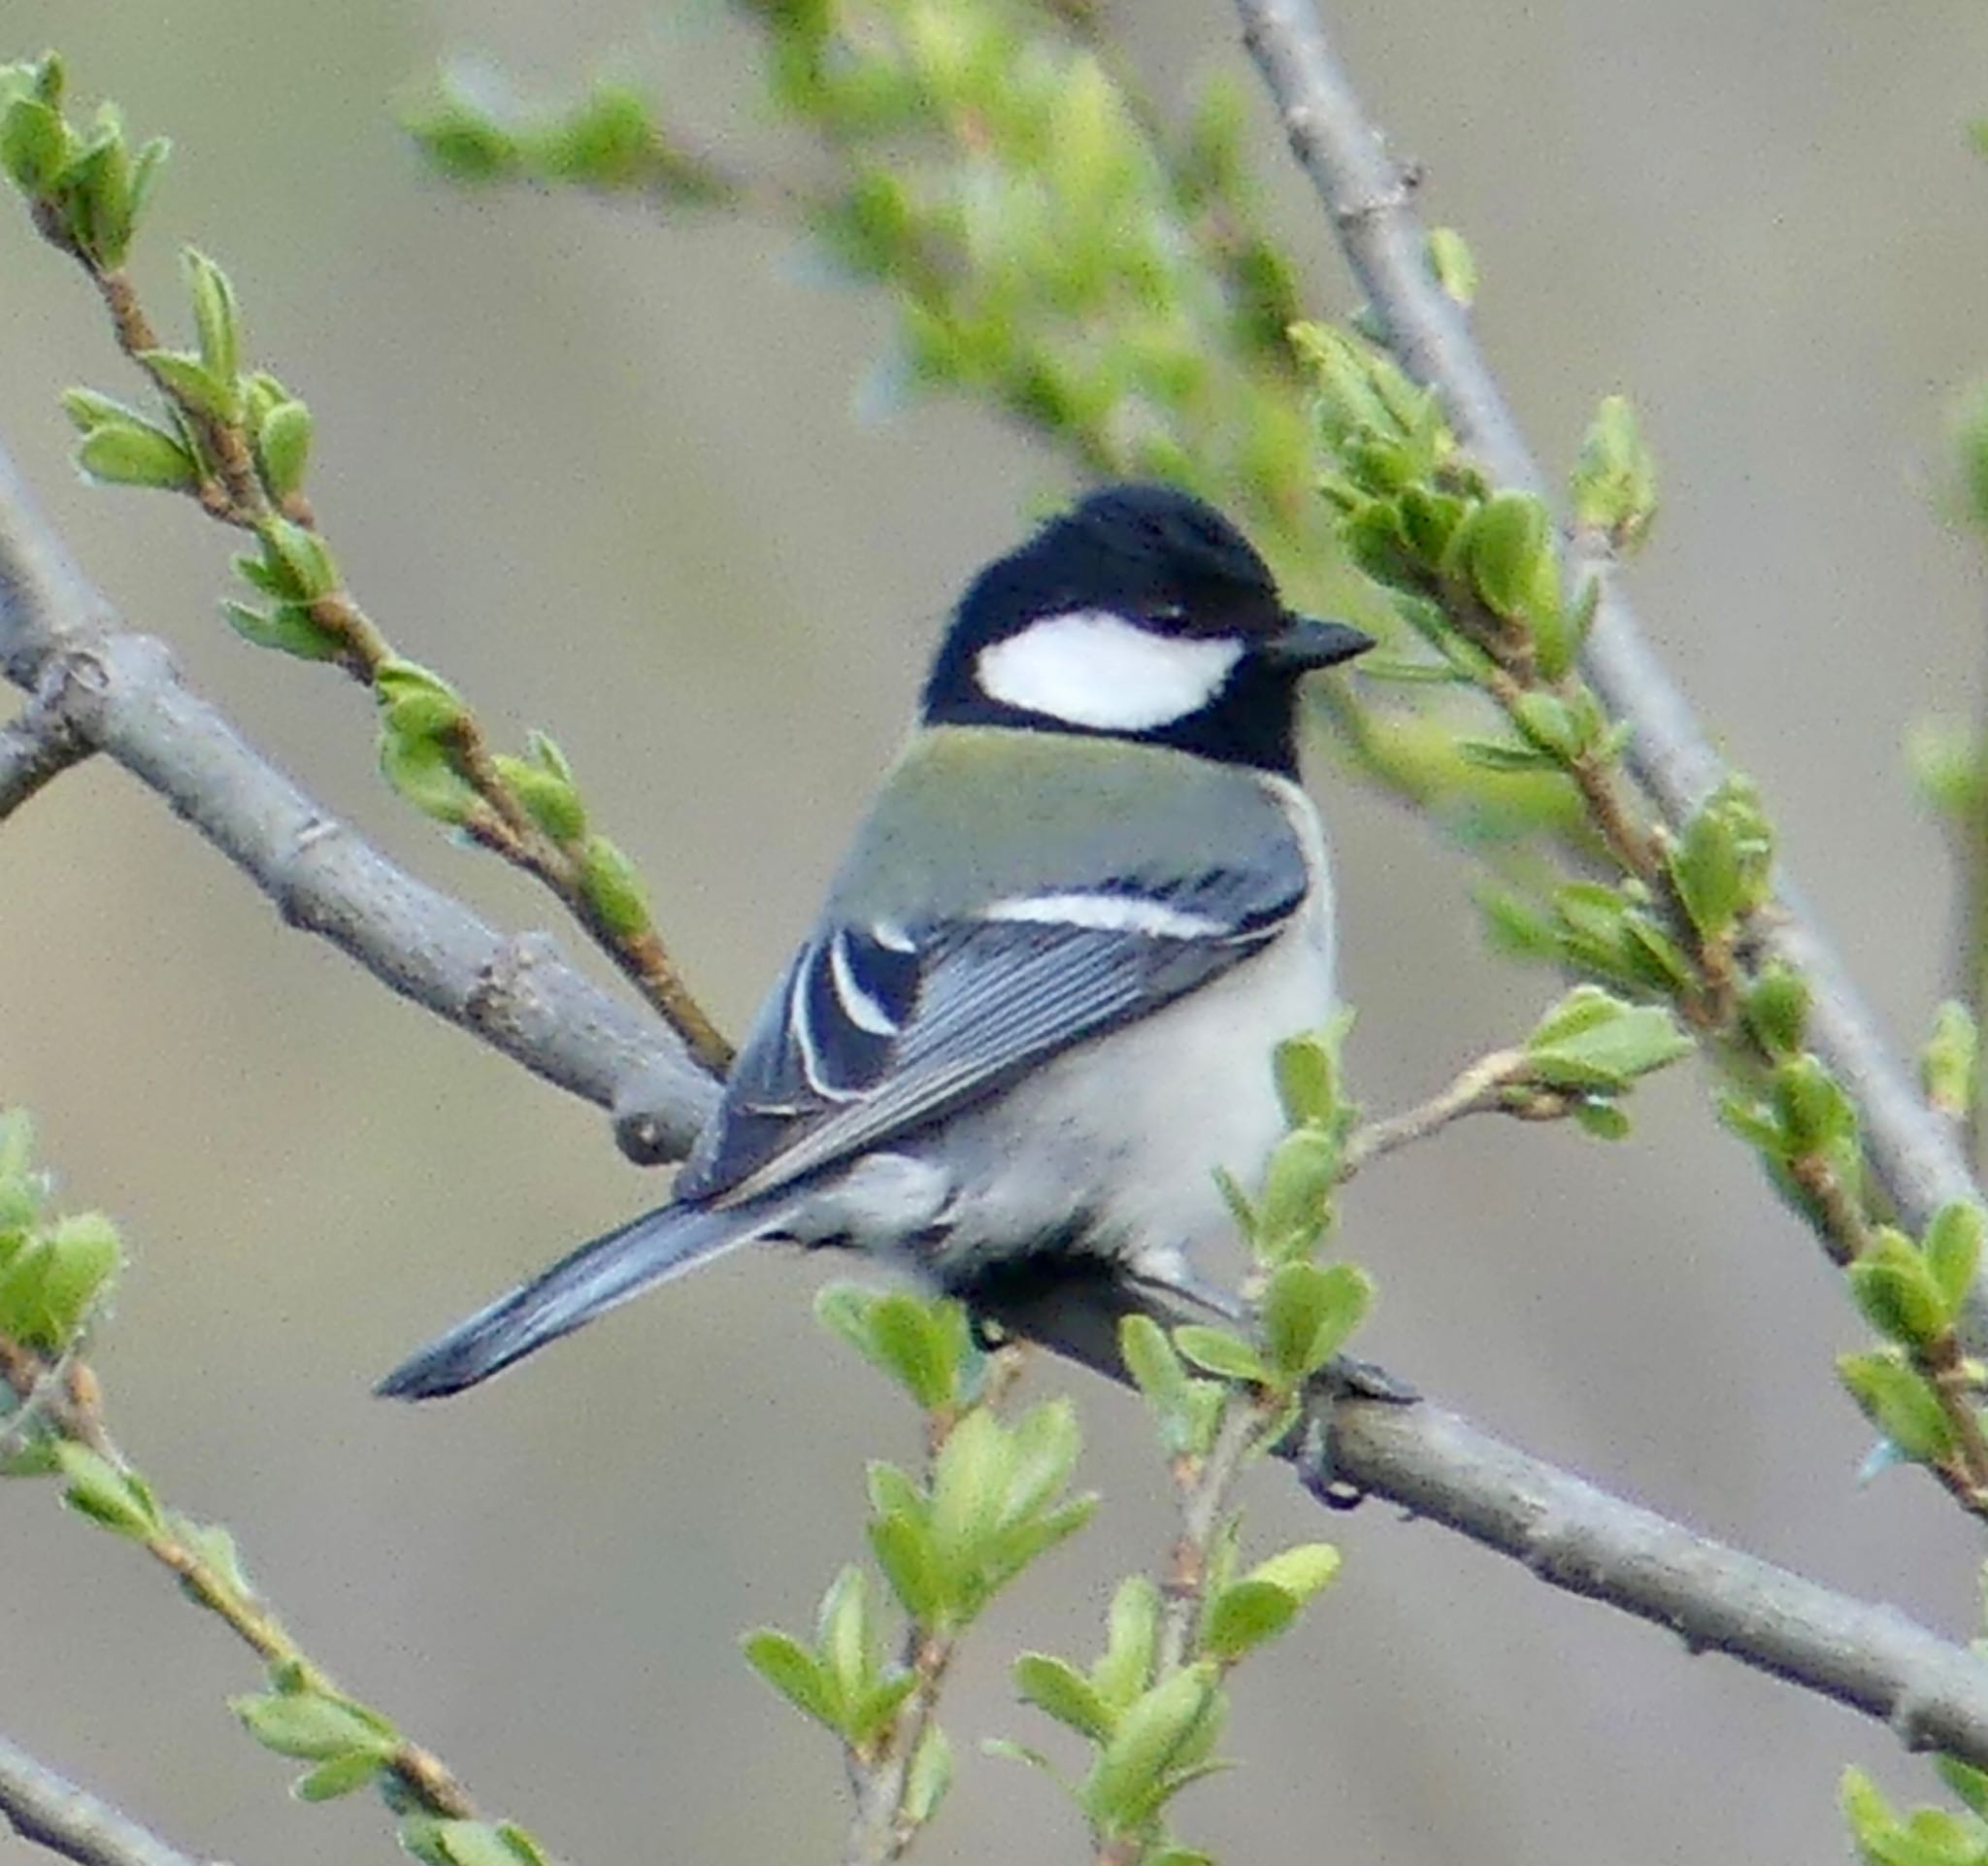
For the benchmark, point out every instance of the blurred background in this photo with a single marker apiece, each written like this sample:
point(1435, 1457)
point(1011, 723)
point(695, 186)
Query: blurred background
point(619, 480)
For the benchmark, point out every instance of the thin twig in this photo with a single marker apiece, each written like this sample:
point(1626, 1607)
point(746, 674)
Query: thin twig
point(1479, 1089)
point(53, 1812)
point(1369, 198)
point(428, 947)
point(1205, 1484)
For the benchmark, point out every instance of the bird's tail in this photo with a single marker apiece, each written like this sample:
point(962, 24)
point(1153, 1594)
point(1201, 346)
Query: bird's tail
point(594, 1279)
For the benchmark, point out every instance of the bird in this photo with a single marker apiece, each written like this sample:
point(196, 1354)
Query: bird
point(1036, 1011)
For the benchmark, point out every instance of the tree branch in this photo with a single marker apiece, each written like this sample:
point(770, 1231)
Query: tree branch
point(522, 998)
point(53, 1812)
point(1369, 197)
point(36, 747)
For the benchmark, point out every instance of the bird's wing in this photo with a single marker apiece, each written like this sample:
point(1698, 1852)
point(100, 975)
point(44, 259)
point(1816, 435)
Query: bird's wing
point(879, 1029)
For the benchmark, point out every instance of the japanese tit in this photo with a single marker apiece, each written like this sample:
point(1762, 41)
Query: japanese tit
point(1037, 1008)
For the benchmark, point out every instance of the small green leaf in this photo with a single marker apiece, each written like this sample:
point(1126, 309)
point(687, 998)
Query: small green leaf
point(1217, 1352)
point(1296, 1208)
point(846, 1638)
point(1454, 264)
point(311, 1726)
point(1061, 1691)
point(1950, 1064)
point(905, 1551)
point(792, 1671)
point(1594, 1040)
point(216, 317)
point(1777, 1009)
point(910, 1345)
point(1953, 1252)
point(289, 628)
point(1900, 1403)
point(1968, 1783)
point(1614, 486)
point(423, 771)
point(135, 453)
point(84, 1255)
point(1155, 1736)
point(303, 560)
point(1307, 1078)
point(1131, 1639)
point(1512, 760)
point(191, 383)
point(1896, 1295)
point(282, 448)
point(931, 1776)
point(107, 1495)
point(1302, 1572)
point(1244, 1615)
point(1510, 553)
point(550, 801)
point(35, 145)
point(341, 1776)
point(1307, 1313)
point(614, 888)
point(1150, 1358)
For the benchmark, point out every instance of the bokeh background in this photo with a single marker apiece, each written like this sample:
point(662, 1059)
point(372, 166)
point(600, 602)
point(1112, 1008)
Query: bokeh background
point(619, 480)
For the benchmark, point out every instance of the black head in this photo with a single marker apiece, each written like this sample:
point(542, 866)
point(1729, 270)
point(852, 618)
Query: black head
point(1139, 613)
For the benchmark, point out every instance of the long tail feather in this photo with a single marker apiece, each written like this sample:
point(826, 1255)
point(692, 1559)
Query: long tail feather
point(594, 1279)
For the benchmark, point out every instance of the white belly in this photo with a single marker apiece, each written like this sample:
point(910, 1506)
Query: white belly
point(1190, 1090)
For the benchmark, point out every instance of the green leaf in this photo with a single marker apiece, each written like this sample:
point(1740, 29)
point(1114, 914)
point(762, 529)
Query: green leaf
point(1810, 1107)
point(311, 1726)
point(1953, 1252)
point(1306, 1068)
point(1455, 268)
point(1302, 1572)
point(302, 560)
point(1244, 1615)
point(99, 1490)
point(1131, 1639)
point(1296, 1208)
point(1511, 560)
point(216, 317)
point(792, 1671)
point(1059, 1689)
point(1722, 864)
point(84, 1255)
point(1896, 1296)
point(288, 628)
point(1150, 1358)
point(614, 888)
point(35, 145)
point(1307, 1313)
point(135, 453)
point(282, 448)
point(191, 383)
point(423, 771)
point(1496, 754)
point(1157, 1734)
point(549, 800)
point(1950, 1064)
point(341, 1776)
point(1217, 1352)
point(910, 1346)
point(1594, 1040)
point(1777, 1009)
point(931, 1776)
point(846, 1638)
point(904, 1550)
point(1614, 484)
point(1900, 1403)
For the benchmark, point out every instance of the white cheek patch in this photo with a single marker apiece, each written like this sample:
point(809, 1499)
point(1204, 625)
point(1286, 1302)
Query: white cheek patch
point(1090, 668)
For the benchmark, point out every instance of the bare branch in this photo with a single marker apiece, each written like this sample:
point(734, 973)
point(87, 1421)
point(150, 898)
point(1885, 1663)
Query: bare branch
point(53, 1812)
point(522, 998)
point(1369, 198)
point(36, 747)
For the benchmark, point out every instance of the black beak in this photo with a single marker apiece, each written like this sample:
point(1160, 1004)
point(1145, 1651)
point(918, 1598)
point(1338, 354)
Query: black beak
point(1304, 643)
